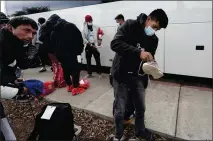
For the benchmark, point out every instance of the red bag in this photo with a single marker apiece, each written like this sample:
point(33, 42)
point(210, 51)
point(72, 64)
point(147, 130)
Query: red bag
point(84, 83)
point(49, 87)
point(58, 74)
point(59, 77)
point(100, 34)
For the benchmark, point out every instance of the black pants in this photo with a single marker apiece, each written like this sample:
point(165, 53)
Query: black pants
point(43, 55)
point(75, 73)
point(132, 86)
point(71, 67)
point(89, 52)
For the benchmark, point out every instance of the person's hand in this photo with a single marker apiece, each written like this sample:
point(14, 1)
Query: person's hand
point(92, 45)
point(25, 91)
point(146, 56)
point(20, 79)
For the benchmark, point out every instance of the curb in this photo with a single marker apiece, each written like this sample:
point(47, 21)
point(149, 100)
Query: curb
point(170, 137)
point(111, 119)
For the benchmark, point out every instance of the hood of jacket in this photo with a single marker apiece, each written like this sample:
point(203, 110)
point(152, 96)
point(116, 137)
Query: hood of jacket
point(47, 28)
point(141, 19)
point(59, 25)
point(55, 22)
point(53, 19)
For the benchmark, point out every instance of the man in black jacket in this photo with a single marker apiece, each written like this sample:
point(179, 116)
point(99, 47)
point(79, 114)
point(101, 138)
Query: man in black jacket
point(66, 43)
point(18, 31)
point(134, 43)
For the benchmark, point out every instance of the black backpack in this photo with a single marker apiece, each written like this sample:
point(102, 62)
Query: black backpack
point(59, 127)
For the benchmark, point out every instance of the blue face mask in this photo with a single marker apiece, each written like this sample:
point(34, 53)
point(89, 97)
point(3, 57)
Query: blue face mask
point(149, 31)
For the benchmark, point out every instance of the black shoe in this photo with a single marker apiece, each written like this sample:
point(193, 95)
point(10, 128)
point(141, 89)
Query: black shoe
point(112, 138)
point(148, 135)
point(43, 70)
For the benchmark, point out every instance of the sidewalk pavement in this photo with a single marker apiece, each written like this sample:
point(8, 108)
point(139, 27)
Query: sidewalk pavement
point(171, 109)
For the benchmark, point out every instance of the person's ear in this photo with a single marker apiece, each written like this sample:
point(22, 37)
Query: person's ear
point(148, 18)
point(9, 27)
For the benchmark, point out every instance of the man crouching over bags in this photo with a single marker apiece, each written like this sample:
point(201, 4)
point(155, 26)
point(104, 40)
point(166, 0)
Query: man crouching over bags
point(13, 36)
point(18, 32)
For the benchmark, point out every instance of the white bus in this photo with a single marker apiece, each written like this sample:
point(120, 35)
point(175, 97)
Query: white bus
point(185, 47)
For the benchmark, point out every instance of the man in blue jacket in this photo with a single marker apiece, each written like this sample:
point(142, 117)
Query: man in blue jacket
point(134, 43)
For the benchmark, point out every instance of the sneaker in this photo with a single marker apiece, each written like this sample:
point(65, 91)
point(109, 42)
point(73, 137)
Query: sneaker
point(113, 138)
point(42, 69)
point(88, 76)
point(78, 90)
point(147, 135)
point(100, 76)
point(129, 121)
point(69, 88)
point(151, 68)
point(139, 139)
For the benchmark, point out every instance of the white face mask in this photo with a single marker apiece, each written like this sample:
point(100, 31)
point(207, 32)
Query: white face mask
point(149, 31)
point(89, 23)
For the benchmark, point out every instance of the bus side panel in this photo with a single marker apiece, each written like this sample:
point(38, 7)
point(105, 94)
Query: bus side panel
point(188, 49)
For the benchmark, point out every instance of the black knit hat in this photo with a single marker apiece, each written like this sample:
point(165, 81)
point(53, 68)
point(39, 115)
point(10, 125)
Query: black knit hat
point(3, 18)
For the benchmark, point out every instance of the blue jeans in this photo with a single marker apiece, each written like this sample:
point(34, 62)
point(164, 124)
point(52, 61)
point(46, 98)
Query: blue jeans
point(129, 107)
point(133, 86)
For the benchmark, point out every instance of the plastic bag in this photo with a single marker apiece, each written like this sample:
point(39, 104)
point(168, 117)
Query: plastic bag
point(49, 87)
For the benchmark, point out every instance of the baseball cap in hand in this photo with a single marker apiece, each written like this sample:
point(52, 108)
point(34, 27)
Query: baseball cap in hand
point(151, 68)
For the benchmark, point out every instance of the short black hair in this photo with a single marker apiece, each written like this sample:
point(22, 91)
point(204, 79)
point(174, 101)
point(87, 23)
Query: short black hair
point(17, 21)
point(160, 15)
point(41, 20)
point(120, 16)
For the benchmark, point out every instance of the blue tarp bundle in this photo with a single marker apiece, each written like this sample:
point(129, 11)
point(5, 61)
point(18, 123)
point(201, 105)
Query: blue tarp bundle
point(35, 87)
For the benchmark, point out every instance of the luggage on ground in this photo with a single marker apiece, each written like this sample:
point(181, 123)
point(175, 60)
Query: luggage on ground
point(54, 122)
point(49, 87)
